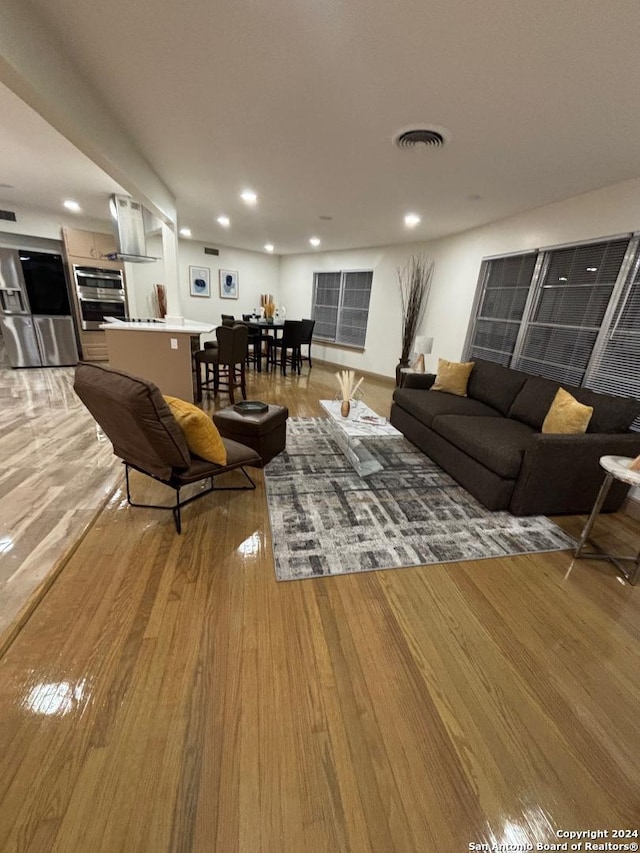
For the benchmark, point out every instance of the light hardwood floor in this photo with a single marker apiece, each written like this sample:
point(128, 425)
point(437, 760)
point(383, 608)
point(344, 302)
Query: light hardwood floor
point(169, 695)
point(57, 472)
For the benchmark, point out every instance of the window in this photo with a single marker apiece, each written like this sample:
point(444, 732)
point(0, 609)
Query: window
point(571, 314)
point(341, 306)
point(616, 359)
point(503, 295)
point(569, 305)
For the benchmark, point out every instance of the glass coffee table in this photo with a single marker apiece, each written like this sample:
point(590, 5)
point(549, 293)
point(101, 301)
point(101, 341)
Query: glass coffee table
point(349, 433)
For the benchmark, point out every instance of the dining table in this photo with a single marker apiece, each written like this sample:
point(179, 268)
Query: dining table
point(276, 326)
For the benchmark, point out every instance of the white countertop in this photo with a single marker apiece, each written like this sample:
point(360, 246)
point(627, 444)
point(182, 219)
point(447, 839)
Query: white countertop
point(188, 327)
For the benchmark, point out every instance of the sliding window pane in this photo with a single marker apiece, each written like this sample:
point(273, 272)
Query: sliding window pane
point(616, 367)
point(354, 309)
point(500, 307)
point(569, 308)
point(326, 301)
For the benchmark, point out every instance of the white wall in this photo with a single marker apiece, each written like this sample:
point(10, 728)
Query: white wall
point(608, 211)
point(383, 342)
point(257, 273)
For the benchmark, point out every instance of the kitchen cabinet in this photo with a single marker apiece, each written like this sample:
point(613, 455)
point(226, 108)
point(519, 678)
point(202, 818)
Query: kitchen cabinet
point(88, 244)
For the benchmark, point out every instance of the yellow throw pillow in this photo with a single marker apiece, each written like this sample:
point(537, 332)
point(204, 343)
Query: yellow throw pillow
point(453, 376)
point(200, 432)
point(566, 416)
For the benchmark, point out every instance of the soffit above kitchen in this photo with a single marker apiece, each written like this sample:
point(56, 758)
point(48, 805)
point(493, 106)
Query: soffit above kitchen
point(43, 168)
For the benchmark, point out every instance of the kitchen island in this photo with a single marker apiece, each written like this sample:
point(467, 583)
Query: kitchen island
point(157, 350)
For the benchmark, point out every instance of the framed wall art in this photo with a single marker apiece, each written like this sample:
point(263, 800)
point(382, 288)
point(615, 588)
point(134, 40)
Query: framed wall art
point(200, 281)
point(228, 284)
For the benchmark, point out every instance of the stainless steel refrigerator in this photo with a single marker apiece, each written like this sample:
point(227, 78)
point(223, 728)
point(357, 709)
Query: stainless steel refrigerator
point(35, 310)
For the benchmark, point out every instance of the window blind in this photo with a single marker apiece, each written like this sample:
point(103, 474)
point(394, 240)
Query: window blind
point(326, 300)
point(568, 309)
point(615, 368)
point(505, 286)
point(341, 306)
point(354, 308)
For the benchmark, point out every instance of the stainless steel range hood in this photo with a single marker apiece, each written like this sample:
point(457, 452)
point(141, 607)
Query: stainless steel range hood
point(128, 225)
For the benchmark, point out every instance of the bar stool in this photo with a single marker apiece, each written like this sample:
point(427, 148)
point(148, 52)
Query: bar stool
point(230, 353)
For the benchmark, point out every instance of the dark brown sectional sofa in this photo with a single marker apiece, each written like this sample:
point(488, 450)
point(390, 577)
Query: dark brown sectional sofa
point(491, 440)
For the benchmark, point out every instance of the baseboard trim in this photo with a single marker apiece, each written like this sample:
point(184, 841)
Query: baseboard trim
point(367, 373)
point(631, 507)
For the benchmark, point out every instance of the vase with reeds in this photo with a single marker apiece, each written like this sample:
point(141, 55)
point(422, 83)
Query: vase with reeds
point(348, 390)
point(415, 282)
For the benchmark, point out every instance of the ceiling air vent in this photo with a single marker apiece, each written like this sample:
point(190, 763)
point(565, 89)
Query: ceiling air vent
point(8, 214)
point(432, 137)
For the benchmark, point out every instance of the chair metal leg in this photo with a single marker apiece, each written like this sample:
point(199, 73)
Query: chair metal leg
point(176, 513)
point(179, 504)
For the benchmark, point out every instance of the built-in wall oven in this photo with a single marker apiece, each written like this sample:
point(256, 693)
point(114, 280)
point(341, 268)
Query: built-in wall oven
point(100, 294)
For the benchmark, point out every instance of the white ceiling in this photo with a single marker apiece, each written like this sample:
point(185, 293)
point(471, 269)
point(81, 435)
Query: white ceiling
point(300, 100)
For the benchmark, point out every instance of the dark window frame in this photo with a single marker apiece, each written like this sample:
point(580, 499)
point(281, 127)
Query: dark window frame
point(590, 325)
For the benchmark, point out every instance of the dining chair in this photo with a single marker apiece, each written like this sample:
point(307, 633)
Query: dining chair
point(291, 340)
point(254, 347)
point(307, 336)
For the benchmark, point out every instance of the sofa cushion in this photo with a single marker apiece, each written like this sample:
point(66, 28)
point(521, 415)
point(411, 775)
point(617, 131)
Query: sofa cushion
point(498, 443)
point(425, 405)
point(610, 414)
point(566, 416)
point(453, 376)
point(495, 385)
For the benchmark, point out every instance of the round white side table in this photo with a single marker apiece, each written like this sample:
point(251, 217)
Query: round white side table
point(617, 468)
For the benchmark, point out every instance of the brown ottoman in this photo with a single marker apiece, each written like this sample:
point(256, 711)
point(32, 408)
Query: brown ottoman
point(266, 432)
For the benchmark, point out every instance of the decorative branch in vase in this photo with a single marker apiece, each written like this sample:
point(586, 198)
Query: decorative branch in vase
point(348, 388)
point(160, 299)
point(415, 283)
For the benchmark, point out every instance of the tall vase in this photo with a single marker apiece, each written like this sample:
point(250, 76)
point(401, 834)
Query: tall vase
point(345, 408)
point(404, 362)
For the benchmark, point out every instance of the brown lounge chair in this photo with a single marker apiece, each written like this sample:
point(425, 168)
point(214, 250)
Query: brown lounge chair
point(146, 436)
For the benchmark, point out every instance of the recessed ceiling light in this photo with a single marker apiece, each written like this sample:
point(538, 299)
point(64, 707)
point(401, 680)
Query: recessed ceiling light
point(326, 218)
point(185, 232)
point(72, 205)
point(315, 241)
point(224, 221)
point(411, 220)
point(563, 278)
point(592, 269)
point(249, 197)
point(269, 247)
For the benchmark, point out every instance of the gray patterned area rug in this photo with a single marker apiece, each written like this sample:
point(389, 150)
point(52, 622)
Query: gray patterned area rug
point(326, 520)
